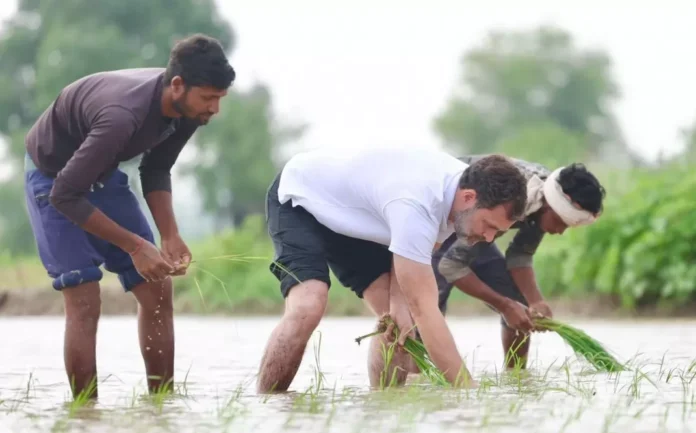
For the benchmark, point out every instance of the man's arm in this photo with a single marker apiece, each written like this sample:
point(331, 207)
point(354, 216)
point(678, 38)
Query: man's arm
point(155, 177)
point(413, 234)
point(110, 131)
point(454, 266)
point(520, 257)
point(417, 283)
point(525, 280)
point(455, 258)
point(473, 286)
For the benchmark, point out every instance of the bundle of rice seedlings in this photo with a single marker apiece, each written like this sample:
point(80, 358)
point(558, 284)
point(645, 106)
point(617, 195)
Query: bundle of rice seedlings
point(582, 344)
point(415, 348)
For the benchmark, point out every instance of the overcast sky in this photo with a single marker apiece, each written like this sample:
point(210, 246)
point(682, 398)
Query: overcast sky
point(365, 73)
point(376, 72)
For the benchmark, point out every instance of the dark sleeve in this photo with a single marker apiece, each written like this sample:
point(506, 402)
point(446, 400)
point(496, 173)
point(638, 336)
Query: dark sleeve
point(520, 252)
point(157, 163)
point(109, 132)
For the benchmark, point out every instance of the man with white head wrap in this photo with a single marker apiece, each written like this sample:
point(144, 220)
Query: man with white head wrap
point(567, 197)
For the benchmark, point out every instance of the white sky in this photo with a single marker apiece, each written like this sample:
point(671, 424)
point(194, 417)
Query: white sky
point(376, 72)
point(366, 73)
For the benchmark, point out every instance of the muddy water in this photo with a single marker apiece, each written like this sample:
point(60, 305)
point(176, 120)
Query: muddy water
point(219, 358)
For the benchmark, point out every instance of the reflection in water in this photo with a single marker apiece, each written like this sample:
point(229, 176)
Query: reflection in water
point(217, 361)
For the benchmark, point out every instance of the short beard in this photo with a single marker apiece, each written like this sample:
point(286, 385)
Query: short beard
point(462, 226)
point(183, 111)
point(179, 107)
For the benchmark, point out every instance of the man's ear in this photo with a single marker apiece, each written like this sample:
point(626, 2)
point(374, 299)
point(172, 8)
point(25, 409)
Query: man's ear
point(177, 85)
point(467, 197)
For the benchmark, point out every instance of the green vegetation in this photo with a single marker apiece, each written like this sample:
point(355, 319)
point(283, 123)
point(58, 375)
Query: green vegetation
point(555, 94)
point(640, 252)
point(44, 46)
point(231, 273)
point(535, 94)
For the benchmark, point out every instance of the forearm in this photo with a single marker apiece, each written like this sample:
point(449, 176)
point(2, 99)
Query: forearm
point(473, 286)
point(160, 204)
point(418, 286)
point(439, 343)
point(105, 228)
point(525, 280)
point(88, 217)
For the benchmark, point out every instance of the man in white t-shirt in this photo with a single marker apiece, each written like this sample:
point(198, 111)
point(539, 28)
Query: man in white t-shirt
point(374, 216)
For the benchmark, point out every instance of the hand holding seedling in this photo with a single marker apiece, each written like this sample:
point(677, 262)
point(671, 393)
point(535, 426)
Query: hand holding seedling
point(517, 316)
point(403, 322)
point(150, 263)
point(176, 251)
point(540, 309)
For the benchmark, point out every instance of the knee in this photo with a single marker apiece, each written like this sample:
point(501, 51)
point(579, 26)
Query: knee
point(83, 304)
point(306, 305)
point(155, 297)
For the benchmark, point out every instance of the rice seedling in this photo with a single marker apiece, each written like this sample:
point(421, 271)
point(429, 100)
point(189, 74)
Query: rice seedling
point(581, 343)
point(414, 348)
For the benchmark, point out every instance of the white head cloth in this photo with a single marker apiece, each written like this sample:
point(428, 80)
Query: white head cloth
point(538, 190)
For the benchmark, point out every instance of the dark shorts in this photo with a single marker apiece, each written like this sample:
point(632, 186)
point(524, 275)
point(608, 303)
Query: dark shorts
point(306, 250)
point(490, 266)
point(72, 256)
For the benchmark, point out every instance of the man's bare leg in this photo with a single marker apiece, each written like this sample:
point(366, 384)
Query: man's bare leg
point(82, 310)
point(304, 307)
point(156, 332)
point(515, 348)
point(376, 296)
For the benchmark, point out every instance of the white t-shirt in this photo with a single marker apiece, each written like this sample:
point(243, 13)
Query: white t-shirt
point(398, 197)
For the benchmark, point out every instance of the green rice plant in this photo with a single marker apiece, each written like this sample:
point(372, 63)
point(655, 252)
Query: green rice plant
point(415, 348)
point(582, 344)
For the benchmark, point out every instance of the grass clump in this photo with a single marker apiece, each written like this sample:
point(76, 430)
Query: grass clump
point(582, 344)
point(415, 349)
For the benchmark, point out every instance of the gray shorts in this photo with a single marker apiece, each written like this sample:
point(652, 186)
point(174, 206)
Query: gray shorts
point(489, 265)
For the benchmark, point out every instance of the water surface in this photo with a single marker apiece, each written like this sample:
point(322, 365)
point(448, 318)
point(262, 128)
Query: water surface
point(219, 357)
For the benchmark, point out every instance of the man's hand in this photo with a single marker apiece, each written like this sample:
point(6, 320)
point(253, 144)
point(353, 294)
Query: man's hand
point(419, 288)
point(177, 253)
point(150, 263)
point(173, 247)
point(540, 309)
point(402, 319)
point(517, 316)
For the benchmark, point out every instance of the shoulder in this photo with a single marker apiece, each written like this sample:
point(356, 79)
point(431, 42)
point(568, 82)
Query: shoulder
point(115, 115)
point(529, 169)
point(136, 90)
point(115, 82)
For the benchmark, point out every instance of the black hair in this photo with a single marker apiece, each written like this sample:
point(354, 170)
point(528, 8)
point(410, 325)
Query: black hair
point(497, 181)
point(200, 61)
point(582, 187)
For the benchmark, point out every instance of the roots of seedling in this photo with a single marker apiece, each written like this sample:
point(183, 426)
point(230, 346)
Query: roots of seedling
point(414, 348)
